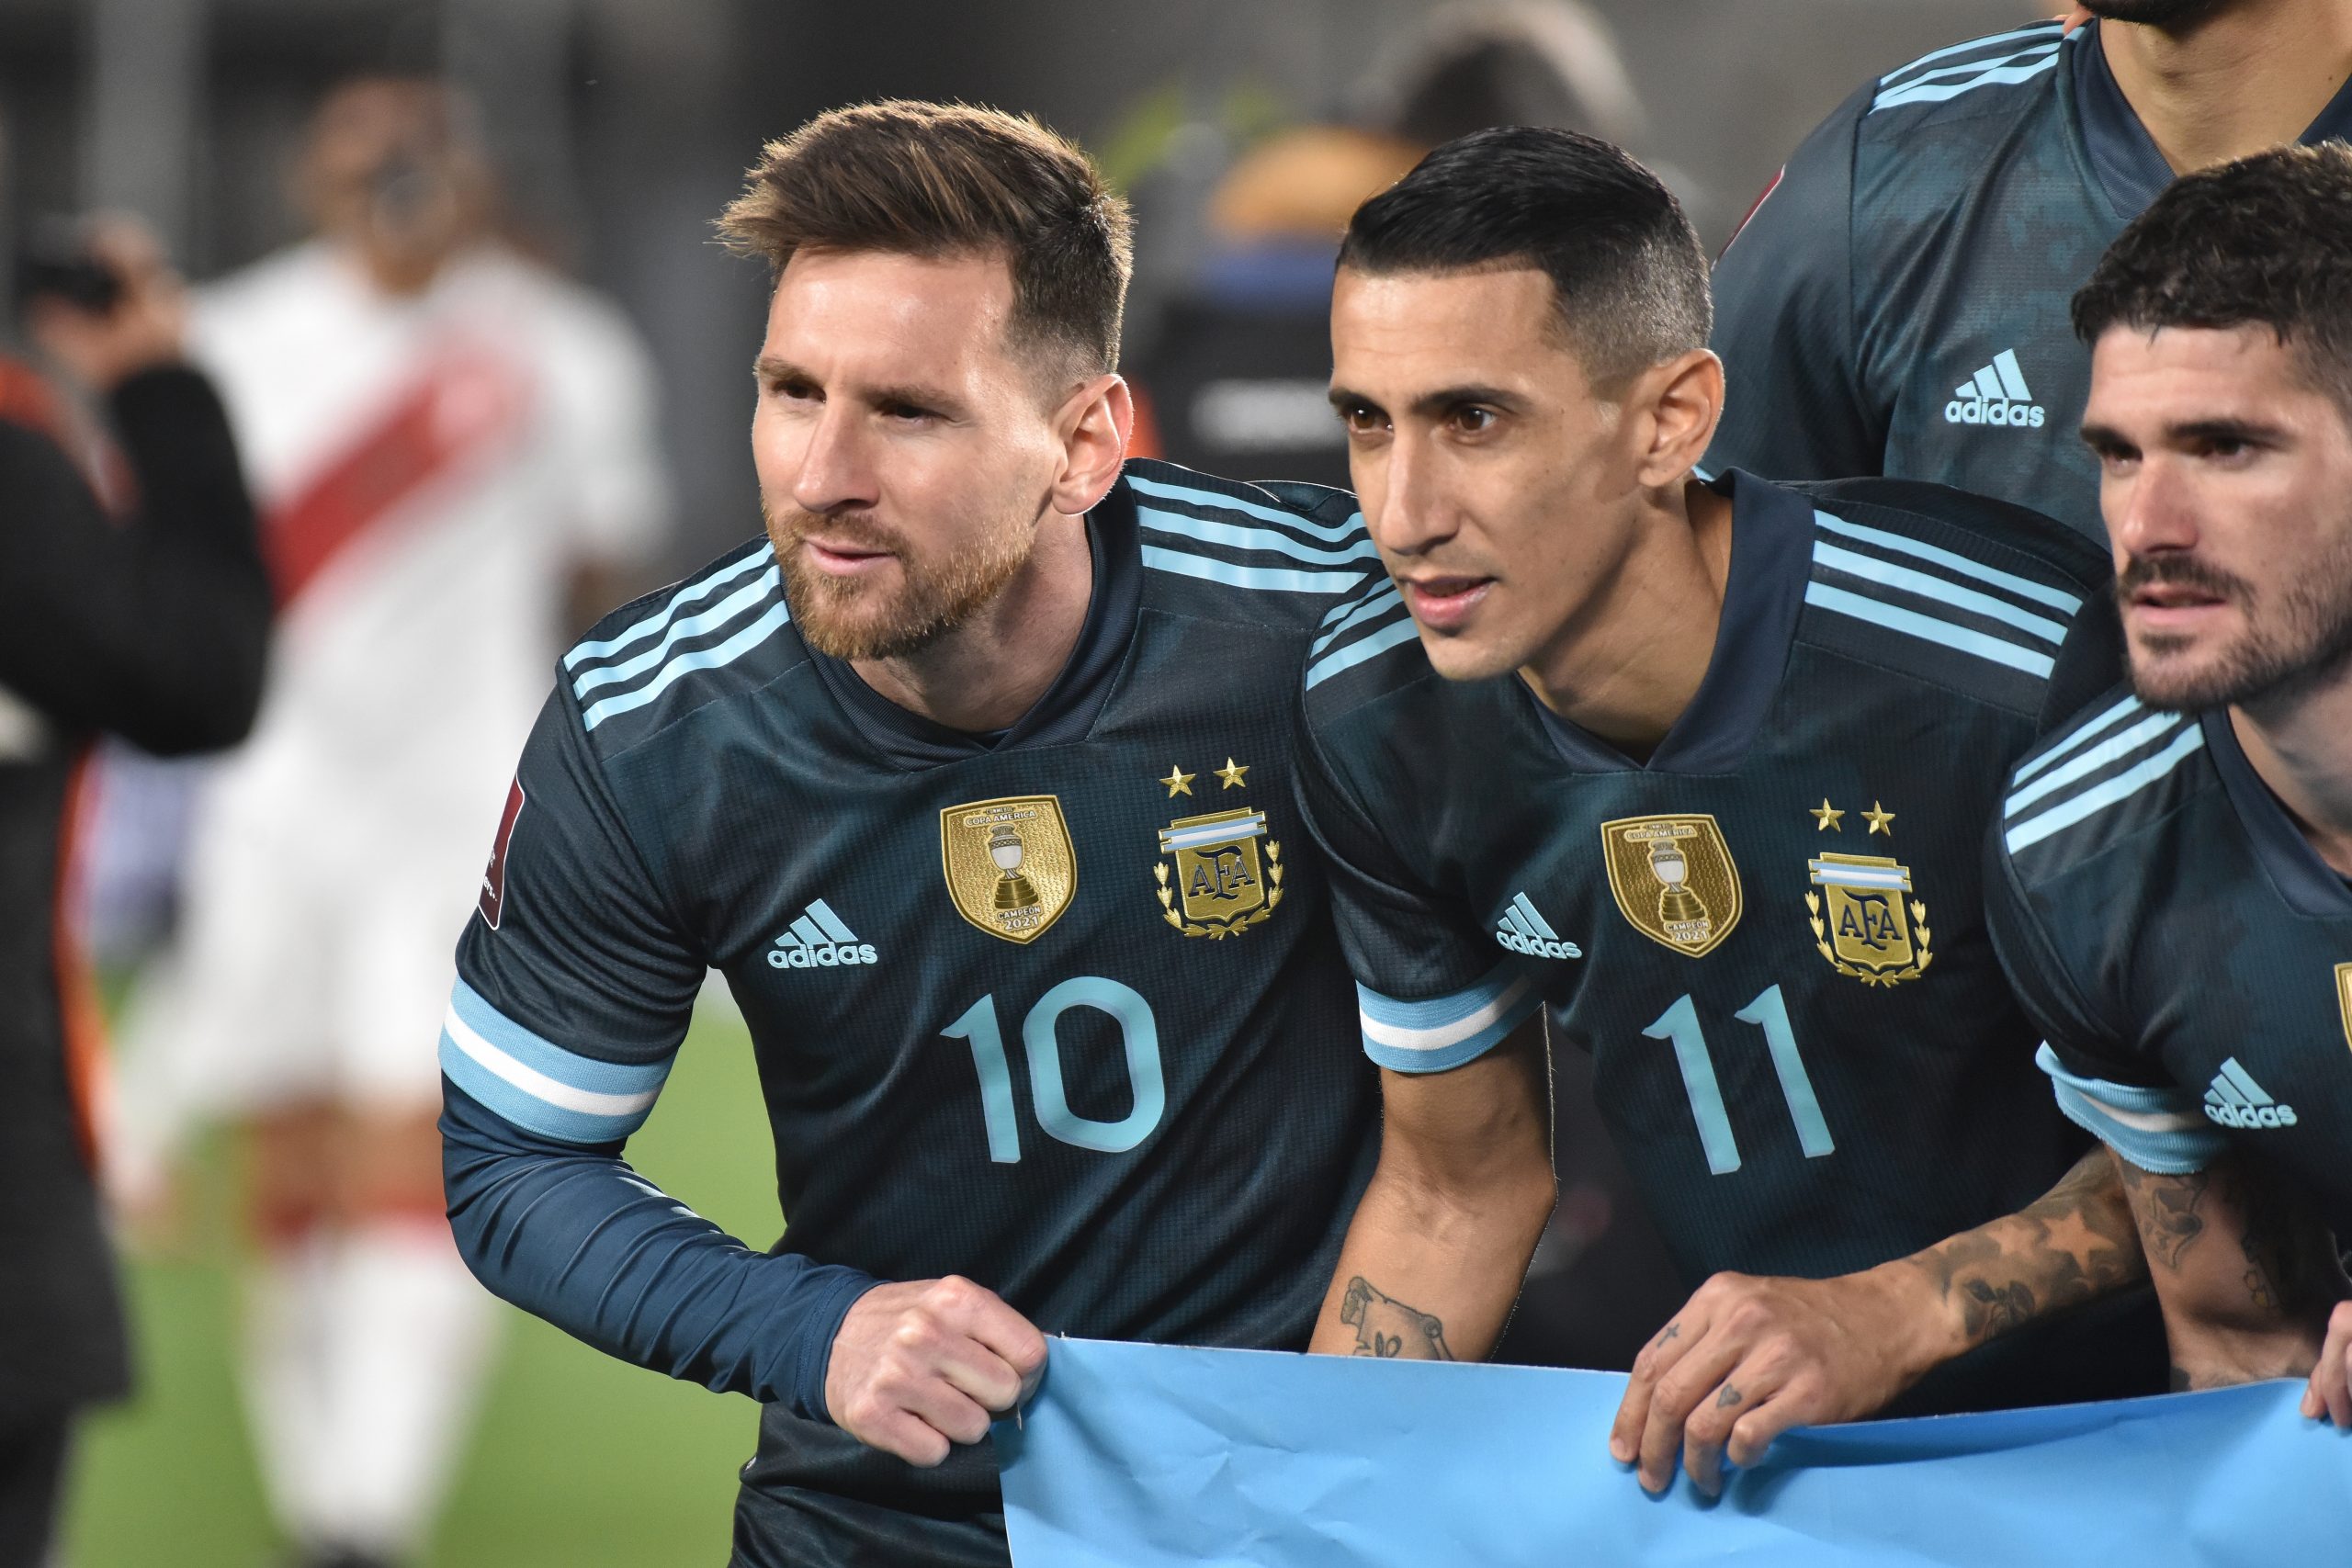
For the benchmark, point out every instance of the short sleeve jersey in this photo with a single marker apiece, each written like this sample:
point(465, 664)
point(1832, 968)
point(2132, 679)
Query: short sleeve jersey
point(1770, 937)
point(1061, 1010)
point(1897, 302)
point(2186, 952)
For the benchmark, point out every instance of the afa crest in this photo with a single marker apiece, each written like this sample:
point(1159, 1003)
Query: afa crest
point(1674, 879)
point(1864, 920)
point(1213, 881)
point(1008, 864)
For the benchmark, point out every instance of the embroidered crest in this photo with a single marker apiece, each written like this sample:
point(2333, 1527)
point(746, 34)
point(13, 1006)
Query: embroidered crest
point(1674, 879)
point(1008, 864)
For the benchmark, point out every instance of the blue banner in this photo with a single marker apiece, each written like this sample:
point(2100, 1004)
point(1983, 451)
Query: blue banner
point(1142, 1456)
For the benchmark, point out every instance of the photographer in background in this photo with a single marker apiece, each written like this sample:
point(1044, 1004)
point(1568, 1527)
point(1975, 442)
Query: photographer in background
point(152, 625)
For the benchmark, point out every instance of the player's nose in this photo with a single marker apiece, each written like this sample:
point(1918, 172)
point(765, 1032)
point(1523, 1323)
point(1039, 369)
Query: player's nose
point(1411, 506)
point(835, 469)
point(2151, 509)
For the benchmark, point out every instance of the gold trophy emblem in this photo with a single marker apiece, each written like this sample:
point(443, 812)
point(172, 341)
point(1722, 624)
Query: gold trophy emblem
point(1014, 891)
point(1673, 879)
point(1008, 864)
point(1679, 910)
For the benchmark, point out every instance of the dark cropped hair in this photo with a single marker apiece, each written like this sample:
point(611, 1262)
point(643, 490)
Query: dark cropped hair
point(929, 180)
point(1627, 273)
point(2264, 241)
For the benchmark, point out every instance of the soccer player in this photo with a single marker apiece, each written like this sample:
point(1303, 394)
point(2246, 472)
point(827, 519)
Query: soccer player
point(1704, 768)
point(1896, 302)
point(2172, 879)
point(974, 779)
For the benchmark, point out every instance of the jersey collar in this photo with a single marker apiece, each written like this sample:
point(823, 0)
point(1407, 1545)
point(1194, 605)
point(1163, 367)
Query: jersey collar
point(1068, 709)
point(1772, 541)
point(2131, 171)
point(2308, 883)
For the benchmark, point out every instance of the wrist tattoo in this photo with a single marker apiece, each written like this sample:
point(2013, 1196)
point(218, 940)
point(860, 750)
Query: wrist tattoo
point(1387, 1328)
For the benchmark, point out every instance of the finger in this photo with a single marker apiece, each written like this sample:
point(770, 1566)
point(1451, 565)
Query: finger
point(1698, 1376)
point(1665, 1348)
point(947, 1410)
point(2331, 1384)
point(907, 1435)
point(1753, 1433)
point(980, 1375)
point(1745, 1390)
point(1008, 1334)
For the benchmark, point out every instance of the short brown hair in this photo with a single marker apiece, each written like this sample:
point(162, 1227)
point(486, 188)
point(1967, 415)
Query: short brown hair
point(926, 179)
point(2262, 241)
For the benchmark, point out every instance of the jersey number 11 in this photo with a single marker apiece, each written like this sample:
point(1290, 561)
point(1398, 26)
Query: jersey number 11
point(1679, 1024)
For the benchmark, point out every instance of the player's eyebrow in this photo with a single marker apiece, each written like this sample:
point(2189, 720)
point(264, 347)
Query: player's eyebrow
point(1433, 405)
point(2245, 432)
point(1344, 398)
point(770, 367)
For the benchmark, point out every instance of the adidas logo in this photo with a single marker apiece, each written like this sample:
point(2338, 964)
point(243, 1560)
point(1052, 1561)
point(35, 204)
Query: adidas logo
point(1521, 930)
point(1996, 396)
point(818, 939)
point(2236, 1101)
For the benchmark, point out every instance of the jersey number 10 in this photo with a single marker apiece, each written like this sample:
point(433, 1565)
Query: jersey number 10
point(1770, 1013)
point(1138, 1034)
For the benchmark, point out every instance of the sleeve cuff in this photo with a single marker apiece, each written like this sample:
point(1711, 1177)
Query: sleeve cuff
point(538, 1085)
point(2161, 1130)
point(834, 1288)
point(1445, 1031)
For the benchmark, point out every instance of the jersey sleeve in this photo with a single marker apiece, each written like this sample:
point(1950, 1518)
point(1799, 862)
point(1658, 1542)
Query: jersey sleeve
point(1795, 406)
point(1430, 995)
point(574, 989)
point(2089, 662)
point(2119, 1095)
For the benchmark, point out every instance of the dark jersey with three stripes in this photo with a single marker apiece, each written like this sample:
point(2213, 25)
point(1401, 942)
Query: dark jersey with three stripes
point(1061, 1010)
point(1770, 937)
point(2186, 952)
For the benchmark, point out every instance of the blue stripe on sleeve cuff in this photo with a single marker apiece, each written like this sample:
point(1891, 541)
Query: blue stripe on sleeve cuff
point(2160, 1129)
point(538, 1085)
point(1445, 1031)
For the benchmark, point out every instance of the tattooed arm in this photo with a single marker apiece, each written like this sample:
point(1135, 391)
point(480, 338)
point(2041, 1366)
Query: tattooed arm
point(1434, 1257)
point(2244, 1270)
point(1748, 1358)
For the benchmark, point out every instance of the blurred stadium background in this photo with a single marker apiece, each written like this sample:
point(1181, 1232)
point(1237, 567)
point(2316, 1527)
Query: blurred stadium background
point(620, 128)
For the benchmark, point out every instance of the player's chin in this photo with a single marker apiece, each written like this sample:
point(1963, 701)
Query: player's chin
point(2179, 674)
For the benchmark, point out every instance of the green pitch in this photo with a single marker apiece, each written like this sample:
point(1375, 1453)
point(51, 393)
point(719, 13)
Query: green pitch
point(578, 1461)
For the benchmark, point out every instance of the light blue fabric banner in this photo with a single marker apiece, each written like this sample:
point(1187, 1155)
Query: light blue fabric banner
point(1141, 1456)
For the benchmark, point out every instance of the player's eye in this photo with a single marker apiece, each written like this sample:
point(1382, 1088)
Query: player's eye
point(796, 389)
point(907, 413)
point(1362, 419)
point(1472, 419)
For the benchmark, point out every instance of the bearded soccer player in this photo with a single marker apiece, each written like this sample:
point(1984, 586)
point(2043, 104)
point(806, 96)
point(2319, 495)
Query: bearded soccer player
point(1704, 768)
point(1897, 302)
point(2172, 876)
point(973, 779)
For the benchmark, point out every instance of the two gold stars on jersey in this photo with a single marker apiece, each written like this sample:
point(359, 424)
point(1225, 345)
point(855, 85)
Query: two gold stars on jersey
point(1213, 881)
point(1865, 919)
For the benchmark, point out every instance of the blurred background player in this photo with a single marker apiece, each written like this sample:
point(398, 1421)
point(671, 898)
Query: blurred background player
point(2173, 890)
point(151, 625)
point(1897, 301)
point(454, 455)
point(1711, 840)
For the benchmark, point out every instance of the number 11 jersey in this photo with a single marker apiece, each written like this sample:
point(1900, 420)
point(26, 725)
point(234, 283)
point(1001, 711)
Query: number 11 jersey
point(1771, 937)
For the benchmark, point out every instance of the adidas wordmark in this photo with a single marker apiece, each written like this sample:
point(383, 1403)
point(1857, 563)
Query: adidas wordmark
point(1521, 930)
point(818, 939)
point(1996, 395)
point(2236, 1101)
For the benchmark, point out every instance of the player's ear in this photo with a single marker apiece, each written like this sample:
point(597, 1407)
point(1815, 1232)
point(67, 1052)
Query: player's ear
point(1682, 399)
point(1094, 423)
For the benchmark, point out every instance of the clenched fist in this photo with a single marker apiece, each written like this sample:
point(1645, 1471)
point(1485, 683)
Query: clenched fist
point(919, 1366)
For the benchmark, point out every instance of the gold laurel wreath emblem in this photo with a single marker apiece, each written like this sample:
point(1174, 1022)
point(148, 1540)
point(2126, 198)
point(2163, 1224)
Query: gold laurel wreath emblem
point(1218, 930)
point(1920, 955)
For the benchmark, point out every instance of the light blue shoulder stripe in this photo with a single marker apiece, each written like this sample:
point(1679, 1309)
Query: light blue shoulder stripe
point(1388, 598)
point(1953, 49)
point(1280, 579)
point(727, 652)
point(1333, 531)
point(544, 1055)
point(2087, 733)
point(685, 627)
point(2160, 1129)
point(2066, 812)
point(1927, 628)
point(2114, 749)
point(661, 617)
point(2023, 587)
point(537, 1084)
point(1926, 92)
point(1445, 1031)
point(1941, 588)
point(1240, 539)
point(1369, 647)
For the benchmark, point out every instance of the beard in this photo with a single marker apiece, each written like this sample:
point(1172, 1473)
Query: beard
point(2279, 659)
point(855, 619)
point(2170, 15)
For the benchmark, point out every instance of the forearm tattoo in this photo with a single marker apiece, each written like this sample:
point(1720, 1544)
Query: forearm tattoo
point(2288, 1255)
point(1386, 1327)
point(2076, 1244)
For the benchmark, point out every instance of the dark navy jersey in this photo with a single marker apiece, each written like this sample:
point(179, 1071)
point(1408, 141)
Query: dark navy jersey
point(1060, 1010)
point(1770, 937)
point(2184, 951)
point(1898, 303)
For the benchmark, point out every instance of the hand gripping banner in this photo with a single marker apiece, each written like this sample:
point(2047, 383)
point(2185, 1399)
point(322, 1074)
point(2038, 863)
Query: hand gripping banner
point(1141, 1456)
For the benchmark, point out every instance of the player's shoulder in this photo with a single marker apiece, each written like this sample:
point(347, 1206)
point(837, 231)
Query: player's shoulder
point(2115, 775)
point(1269, 553)
point(1975, 594)
point(1367, 649)
point(719, 632)
point(1996, 79)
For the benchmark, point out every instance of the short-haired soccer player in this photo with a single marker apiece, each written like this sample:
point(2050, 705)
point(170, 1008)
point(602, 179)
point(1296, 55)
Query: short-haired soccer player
point(1704, 768)
point(2172, 874)
point(973, 779)
point(1896, 303)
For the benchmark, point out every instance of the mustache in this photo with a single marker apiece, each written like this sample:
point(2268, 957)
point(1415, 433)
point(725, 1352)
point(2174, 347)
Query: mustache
point(2179, 571)
point(856, 530)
